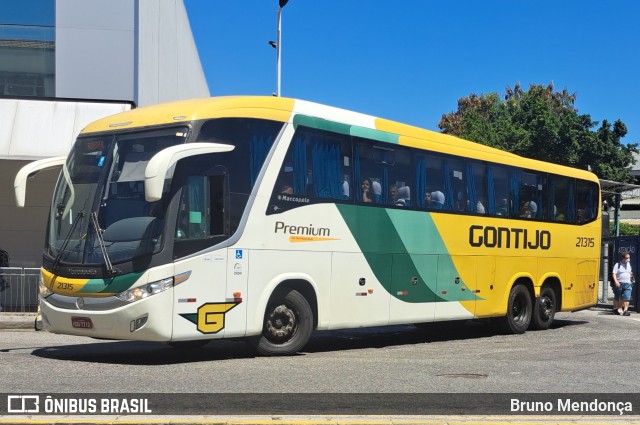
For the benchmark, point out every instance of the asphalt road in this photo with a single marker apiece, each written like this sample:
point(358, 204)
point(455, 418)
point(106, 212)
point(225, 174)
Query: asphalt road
point(590, 351)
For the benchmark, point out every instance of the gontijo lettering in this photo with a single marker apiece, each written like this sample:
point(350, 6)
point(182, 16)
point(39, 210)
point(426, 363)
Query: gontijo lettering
point(505, 237)
point(302, 230)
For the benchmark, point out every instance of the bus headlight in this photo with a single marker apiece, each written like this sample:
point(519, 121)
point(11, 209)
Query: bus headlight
point(42, 289)
point(141, 292)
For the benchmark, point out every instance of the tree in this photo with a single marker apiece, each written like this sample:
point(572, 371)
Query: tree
point(543, 124)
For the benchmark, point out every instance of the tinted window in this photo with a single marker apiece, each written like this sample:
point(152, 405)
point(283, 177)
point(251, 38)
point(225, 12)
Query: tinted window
point(434, 186)
point(455, 185)
point(252, 139)
point(588, 200)
point(317, 168)
point(561, 199)
point(477, 187)
point(532, 195)
point(214, 189)
point(498, 190)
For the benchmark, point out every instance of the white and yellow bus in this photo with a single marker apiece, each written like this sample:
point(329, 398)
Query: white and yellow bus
point(268, 218)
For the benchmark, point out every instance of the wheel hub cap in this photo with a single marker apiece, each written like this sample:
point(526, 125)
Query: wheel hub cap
point(545, 307)
point(281, 322)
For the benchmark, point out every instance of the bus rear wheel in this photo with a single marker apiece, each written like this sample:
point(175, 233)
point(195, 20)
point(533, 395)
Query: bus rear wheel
point(544, 309)
point(287, 326)
point(519, 309)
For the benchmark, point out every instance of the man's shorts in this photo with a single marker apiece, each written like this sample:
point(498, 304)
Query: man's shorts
point(622, 292)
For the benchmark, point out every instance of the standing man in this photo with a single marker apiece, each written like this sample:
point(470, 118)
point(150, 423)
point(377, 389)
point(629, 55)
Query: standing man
point(622, 278)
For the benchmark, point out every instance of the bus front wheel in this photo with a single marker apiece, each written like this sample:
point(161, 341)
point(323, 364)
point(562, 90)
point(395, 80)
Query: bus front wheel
point(544, 309)
point(287, 326)
point(519, 310)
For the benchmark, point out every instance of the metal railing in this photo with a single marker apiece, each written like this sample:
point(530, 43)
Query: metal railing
point(19, 289)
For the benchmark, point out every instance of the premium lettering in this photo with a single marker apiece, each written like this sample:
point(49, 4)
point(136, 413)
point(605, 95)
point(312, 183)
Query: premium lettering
point(505, 237)
point(302, 230)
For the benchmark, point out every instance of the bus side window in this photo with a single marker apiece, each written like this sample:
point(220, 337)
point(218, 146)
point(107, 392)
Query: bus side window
point(562, 199)
point(317, 167)
point(201, 210)
point(476, 179)
point(588, 199)
point(531, 195)
point(497, 191)
point(192, 212)
point(455, 185)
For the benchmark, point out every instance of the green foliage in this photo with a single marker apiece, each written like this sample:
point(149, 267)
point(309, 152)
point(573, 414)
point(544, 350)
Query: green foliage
point(543, 124)
point(631, 229)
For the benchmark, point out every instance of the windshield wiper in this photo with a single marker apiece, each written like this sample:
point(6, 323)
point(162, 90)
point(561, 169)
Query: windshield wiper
point(107, 261)
point(56, 262)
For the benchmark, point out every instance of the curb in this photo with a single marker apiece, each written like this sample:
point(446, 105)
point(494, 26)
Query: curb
point(17, 321)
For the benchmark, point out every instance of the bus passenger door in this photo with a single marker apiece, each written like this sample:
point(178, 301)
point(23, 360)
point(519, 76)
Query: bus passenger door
point(456, 286)
point(203, 308)
point(358, 293)
point(413, 288)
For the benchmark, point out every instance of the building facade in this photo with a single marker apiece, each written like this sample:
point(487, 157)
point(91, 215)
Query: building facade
point(66, 63)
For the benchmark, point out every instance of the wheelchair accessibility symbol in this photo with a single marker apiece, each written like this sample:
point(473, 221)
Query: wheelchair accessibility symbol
point(238, 254)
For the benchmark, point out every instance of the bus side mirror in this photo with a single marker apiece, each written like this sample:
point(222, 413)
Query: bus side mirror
point(160, 163)
point(20, 182)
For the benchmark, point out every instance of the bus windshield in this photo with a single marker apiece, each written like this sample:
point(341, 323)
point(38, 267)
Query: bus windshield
point(106, 174)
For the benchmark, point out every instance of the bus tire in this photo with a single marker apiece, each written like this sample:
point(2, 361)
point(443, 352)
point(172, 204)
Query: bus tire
point(287, 326)
point(544, 309)
point(519, 310)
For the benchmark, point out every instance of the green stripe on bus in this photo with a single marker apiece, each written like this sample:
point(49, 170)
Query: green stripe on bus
point(349, 130)
point(376, 234)
point(422, 239)
point(192, 317)
point(378, 135)
point(409, 243)
point(321, 124)
point(114, 285)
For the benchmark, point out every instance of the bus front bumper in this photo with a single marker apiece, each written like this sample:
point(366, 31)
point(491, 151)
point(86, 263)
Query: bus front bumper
point(149, 319)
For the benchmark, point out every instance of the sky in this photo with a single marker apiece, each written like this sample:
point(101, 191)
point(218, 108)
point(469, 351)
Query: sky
point(411, 60)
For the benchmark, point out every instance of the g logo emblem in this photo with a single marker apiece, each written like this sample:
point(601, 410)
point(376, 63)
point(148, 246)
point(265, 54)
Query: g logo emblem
point(211, 316)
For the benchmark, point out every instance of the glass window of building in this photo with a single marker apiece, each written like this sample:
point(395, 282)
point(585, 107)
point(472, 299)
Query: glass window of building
point(27, 49)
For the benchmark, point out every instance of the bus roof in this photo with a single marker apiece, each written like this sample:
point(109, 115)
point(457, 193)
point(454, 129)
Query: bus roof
point(319, 116)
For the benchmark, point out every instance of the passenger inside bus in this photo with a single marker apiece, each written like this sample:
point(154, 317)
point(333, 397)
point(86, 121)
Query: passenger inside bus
point(404, 197)
point(428, 202)
point(460, 203)
point(345, 189)
point(367, 194)
point(437, 200)
point(503, 208)
point(376, 189)
point(525, 211)
point(480, 207)
point(393, 194)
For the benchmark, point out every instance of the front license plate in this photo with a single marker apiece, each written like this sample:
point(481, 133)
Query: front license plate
point(81, 322)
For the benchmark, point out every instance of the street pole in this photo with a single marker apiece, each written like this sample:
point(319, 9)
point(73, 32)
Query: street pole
point(616, 212)
point(279, 49)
